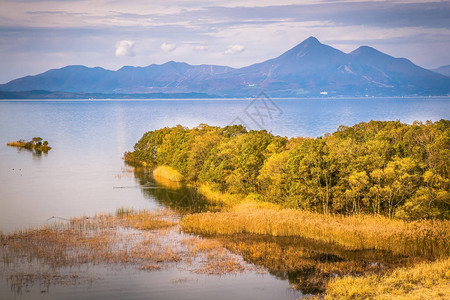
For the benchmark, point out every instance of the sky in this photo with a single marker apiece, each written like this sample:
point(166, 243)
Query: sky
point(38, 35)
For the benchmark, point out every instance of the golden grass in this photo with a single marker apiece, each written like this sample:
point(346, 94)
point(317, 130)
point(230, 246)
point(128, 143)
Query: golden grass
point(143, 239)
point(307, 270)
point(423, 281)
point(217, 197)
point(428, 238)
point(16, 144)
point(212, 257)
point(146, 220)
point(173, 185)
point(168, 173)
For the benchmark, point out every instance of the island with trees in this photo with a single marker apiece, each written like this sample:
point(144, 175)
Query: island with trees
point(36, 144)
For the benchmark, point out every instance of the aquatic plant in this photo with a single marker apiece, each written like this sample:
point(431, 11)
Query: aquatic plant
point(143, 239)
point(428, 238)
point(423, 281)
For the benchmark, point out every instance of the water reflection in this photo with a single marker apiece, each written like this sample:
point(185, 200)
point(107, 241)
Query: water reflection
point(174, 195)
point(307, 264)
point(37, 154)
point(310, 264)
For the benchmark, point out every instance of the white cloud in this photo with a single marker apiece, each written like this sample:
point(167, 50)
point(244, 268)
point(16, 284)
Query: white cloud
point(166, 47)
point(201, 48)
point(233, 49)
point(125, 48)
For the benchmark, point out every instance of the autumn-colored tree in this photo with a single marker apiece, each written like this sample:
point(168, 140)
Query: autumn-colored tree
point(378, 167)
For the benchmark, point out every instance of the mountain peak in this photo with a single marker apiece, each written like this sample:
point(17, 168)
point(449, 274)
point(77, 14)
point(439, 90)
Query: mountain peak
point(365, 49)
point(310, 51)
point(311, 41)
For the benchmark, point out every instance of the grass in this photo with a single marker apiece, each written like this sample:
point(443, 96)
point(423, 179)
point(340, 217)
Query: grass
point(216, 197)
point(146, 220)
point(427, 238)
point(16, 144)
point(307, 264)
point(143, 239)
point(423, 281)
point(170, 184)
point(168, 173)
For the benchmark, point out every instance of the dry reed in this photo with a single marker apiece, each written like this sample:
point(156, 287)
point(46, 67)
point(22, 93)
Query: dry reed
point(143, 239)
point(428, 238)
point(423, 281)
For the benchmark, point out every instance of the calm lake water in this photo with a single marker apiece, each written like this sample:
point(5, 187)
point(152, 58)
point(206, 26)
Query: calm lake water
point(84, 174)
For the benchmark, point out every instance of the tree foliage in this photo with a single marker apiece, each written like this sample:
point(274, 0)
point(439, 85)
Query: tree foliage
point(379, 167)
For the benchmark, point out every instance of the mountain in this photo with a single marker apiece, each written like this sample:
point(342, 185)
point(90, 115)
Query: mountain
point(444, 70)
point(308, 69)
point(302, 69)
point(169, 77)
point(395, 75)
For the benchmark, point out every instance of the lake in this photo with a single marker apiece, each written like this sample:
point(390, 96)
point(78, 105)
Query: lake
point(84, 174)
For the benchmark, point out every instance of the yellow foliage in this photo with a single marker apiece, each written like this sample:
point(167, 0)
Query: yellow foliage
point(217, 197)
point(423, 281)
point(174, 185)
point(168, 173)
point(16, 144)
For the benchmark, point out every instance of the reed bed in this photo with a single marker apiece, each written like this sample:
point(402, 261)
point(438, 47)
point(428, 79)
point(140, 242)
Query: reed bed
point(307, 270)
point(216, 197)
point(168, 173)
point(142, 239)
point(310, 264)
point(146, 220)
point(423, 281)
point(208, 256)
point(427, 238)
point(16, 144)
point(173, 185)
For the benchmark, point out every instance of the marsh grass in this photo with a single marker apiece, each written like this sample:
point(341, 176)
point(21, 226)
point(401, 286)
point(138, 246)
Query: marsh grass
point(423, 281)
point(170, 184)
point(427, 238)
point(226, 200)
point(146, 220)
point(309, 264)
point(210, 257)
point(142, 239)
point(168, 173)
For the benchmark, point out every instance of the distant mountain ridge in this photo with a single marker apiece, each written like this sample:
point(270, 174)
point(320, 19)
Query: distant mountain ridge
point(444, 70)
point(308, 69)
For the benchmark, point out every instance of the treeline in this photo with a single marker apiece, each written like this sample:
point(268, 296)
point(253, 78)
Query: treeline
point(380, 167)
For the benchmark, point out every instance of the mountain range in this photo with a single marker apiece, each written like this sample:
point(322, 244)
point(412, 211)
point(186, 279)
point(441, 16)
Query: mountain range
point(309, 69)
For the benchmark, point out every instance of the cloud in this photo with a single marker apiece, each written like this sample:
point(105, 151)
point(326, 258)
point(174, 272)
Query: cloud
point(201, 48)
point(166, 47)
point(234, 49)
point(125, 48)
